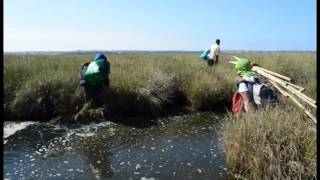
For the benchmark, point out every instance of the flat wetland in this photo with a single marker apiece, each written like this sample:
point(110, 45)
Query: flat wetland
point(167, 117)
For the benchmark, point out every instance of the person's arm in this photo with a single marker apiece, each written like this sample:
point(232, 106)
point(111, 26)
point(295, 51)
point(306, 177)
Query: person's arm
point(243, 90)
point(247, 101)
point(82, 73)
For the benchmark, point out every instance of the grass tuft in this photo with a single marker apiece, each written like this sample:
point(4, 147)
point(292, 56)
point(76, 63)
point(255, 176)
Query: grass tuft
point(274, 143)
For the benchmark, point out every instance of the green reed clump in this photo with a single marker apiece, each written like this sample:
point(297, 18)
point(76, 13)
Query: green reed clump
point(272, 143)
point(207, 92)
point(39, 87)
point(43, 100)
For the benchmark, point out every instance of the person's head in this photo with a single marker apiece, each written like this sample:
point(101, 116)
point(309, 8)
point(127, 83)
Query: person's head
point(243, 67)
point(218, 41)
point(100, 56)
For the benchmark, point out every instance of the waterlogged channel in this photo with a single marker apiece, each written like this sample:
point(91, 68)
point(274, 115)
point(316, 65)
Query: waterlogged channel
point(178, 147)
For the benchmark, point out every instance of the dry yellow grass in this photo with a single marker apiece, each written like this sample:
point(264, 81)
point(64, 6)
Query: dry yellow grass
point(272, 143)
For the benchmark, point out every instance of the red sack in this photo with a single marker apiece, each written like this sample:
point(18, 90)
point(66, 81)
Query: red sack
point(237, 102)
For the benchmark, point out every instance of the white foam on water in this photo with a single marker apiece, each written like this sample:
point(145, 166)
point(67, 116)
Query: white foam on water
point(87, 130)
point(87, 134)
point(71, 136)
point(10, 128)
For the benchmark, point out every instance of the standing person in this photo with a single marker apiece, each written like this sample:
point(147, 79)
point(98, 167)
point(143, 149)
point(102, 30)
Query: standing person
point(214, 53)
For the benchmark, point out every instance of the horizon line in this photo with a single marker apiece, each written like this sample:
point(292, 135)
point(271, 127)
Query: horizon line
point(25, 51)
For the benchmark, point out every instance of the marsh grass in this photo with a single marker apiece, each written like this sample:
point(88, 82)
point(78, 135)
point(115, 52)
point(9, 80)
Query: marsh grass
point(272, 143)
point(276, 142)
point(139, 84)
point(39, 87)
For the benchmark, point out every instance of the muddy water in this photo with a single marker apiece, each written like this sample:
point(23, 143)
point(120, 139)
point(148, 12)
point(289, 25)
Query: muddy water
point(178, 147)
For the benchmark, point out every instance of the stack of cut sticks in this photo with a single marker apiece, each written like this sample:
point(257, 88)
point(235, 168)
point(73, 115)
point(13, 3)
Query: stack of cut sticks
point(284, 86)
point(282, 83)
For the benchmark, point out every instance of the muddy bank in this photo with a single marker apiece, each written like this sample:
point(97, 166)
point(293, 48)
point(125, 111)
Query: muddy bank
point(58, 104)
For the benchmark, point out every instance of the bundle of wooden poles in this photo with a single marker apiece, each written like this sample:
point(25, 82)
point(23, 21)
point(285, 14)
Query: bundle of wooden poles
point(285, 87)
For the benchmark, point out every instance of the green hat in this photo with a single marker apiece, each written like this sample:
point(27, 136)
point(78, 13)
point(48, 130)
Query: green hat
point(243, 67)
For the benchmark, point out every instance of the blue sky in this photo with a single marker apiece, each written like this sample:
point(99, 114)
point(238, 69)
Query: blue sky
point(64, 25)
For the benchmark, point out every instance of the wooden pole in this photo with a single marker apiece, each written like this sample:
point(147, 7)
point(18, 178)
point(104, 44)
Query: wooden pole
point(275, 74)
point(299, 88)
point(280, 81)
point(284, 84)
point(299, 94)
point(302, 96)
point(294, 100)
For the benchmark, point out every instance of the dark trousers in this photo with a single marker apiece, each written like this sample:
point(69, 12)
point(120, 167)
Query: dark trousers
point(94, 94)
point(211, 62)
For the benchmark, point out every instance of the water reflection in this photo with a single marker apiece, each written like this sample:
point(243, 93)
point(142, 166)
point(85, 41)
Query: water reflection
point(179, 147)
point(98, 156)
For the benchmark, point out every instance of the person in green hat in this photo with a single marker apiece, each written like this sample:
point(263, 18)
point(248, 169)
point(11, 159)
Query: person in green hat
point(245, 82)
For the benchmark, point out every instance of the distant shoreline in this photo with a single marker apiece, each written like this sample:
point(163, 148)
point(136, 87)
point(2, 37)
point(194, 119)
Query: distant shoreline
point(83, 52)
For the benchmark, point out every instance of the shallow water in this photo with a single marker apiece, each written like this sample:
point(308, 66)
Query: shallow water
point(178, 147)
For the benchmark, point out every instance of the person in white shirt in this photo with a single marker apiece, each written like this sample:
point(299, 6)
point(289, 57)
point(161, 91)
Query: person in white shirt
point(214, 53)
